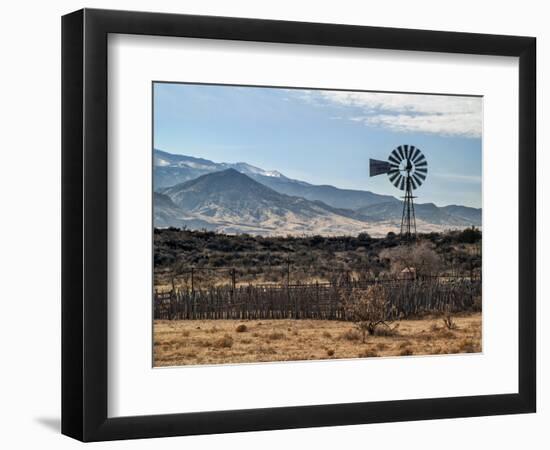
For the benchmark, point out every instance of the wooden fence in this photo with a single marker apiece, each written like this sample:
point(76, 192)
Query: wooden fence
point(314, 300)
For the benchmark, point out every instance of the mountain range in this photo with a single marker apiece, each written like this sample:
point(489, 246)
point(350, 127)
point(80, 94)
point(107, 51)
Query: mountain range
point(240, 198)
point(173, 169)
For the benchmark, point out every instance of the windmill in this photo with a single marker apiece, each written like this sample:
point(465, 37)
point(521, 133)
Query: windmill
point(407, 169)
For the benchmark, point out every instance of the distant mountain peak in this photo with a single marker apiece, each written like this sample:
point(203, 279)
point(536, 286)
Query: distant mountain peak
point(245, 167)
point(224, 178)
point(227, 185)
point(230, 171)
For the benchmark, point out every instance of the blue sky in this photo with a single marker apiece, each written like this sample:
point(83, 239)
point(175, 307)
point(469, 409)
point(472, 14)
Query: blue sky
point(326, 137)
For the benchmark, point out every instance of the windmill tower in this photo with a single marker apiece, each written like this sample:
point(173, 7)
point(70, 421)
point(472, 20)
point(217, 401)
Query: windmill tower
point(407, 169)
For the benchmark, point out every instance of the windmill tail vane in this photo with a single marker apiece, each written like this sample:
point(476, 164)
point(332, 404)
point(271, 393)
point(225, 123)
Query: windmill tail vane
point(407, 169)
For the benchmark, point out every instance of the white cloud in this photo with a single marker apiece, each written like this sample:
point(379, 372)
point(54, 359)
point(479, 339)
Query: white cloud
point(436, 114)
point(443, 124)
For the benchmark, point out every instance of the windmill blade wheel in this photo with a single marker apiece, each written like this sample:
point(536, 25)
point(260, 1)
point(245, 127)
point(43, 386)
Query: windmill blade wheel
point(407, 166)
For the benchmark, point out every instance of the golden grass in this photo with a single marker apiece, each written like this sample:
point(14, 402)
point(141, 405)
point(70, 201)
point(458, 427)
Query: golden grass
point(191, 342)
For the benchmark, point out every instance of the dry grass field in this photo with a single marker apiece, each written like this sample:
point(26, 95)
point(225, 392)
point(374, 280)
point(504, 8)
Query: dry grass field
point(192, 342)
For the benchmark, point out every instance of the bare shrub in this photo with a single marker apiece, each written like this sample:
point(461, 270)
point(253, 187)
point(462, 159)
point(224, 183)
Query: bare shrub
point(406, 352)
point(420, 256)
point(241, 328)
point(330, 352)
point(224, 342)
point(367, 308)
point(350, 335)
point(449, 322)
point(326, 334)
point(387, 331)
point(275, 335)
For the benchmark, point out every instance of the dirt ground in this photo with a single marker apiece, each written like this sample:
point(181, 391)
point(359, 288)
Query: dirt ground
point(192, 342)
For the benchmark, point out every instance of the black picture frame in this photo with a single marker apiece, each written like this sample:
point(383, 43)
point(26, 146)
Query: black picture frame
point(84, 224)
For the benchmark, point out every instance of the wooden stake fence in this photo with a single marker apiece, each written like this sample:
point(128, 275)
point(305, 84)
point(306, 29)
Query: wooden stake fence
point(312, 301)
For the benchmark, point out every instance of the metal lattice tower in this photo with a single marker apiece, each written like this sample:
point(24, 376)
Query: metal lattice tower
point(407, 169)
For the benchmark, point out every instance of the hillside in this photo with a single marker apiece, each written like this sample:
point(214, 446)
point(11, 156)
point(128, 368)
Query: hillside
point(450, 216)
point(231, 202)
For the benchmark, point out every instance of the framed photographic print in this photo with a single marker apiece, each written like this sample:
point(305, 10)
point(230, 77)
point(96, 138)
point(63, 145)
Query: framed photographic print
point(314, 224)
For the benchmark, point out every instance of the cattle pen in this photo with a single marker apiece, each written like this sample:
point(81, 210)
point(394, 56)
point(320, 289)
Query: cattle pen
point(315, 300)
